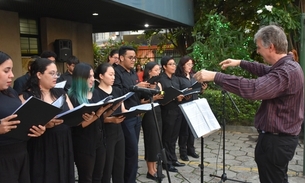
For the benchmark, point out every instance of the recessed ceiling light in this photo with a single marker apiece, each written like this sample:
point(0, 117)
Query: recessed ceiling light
point(146, 25)
point(94, 14)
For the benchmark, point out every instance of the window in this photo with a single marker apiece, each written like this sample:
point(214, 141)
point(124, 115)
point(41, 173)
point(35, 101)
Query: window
point(29, 36)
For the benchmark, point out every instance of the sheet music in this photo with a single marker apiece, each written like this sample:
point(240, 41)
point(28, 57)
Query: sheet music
point(200, 117)
point(59, 102)
point(145, 107)
point(60, 84)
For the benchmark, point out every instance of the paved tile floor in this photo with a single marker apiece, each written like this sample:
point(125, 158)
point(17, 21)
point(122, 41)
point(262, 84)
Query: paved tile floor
point(239, 160)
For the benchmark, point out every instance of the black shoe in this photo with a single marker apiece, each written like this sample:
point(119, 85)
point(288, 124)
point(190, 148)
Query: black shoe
point(170, 168)
point(193, 154)
point(154, 177)
point(177, 163)
point(184, 158)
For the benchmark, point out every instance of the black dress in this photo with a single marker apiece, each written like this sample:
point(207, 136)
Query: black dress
point(14, 162)
point(115, 143)
point(151, 140)
point(186, 137)
point(51, 154)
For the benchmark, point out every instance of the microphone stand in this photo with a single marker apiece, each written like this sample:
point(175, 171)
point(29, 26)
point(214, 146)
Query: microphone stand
point(159, 167)
point(201, 161)
point(224, 177)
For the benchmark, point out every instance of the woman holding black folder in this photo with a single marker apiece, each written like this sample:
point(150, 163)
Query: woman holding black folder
point(186, 139)
point(171, 113)
point(115, 141)
point(14, 162)
point(151, 141)
point(88, 137)
point(51, 155)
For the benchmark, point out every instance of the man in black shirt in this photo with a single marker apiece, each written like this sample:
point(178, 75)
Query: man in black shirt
point(67, 76)
point(125, 77)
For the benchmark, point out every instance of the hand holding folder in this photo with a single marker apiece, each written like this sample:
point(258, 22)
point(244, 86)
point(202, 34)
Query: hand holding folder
point(171, 93)
point(32, 112)
point(74, 117)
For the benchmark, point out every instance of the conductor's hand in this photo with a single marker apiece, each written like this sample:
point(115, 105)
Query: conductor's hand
point(229, 63)
point(54, 122)
point(204, 76)
point(37, 131)
point(6, 125)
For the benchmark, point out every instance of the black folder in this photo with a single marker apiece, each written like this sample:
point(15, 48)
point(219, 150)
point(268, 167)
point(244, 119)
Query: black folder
point(154, 79)
point(195, 88)
point(171, 93)
point(74, 117)
point(33, 112)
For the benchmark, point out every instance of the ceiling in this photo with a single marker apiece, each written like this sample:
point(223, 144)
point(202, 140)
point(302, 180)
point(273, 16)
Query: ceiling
point(112, 16)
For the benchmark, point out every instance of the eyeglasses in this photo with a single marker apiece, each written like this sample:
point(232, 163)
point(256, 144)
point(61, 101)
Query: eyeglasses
point(190, 65)
point(55, 74)
point(132, 58)
point(174, 64)
point(116, 58)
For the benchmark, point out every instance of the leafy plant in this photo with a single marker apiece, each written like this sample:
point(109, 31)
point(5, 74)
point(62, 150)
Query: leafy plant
point(101, 53)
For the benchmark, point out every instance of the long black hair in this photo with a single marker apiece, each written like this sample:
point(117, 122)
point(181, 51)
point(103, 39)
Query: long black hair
point(4, 57)
point(32, 85)
point(179, 70)
point(148, 67)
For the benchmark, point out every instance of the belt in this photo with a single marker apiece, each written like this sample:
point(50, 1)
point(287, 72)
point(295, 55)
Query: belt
point(272, 133)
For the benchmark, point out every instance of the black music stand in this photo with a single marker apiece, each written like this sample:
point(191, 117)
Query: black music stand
point(224, 177)
point(162, 155)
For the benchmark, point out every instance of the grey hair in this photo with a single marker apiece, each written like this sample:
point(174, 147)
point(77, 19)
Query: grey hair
point(275, 35)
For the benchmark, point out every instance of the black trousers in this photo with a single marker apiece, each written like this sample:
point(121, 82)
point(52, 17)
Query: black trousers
point(272, 155)
point(171, 120)
point(115, 154)
point(186, 139)
point(131, 128)
point(90, 166)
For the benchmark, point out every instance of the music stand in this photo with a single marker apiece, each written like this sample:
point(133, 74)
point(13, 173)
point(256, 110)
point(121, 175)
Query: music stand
point(224, 177)
point(162, 155)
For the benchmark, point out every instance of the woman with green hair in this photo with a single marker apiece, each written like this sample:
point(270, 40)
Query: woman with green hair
point(88, 137)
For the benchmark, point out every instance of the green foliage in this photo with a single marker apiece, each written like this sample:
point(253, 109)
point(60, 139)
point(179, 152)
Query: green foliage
point(223, 42)
point(247, 108)
point(288, 17)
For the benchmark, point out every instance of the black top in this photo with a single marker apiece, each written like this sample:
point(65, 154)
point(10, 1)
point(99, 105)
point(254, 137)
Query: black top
point(8, 105)
point(99, 94)
point(19, 83)
point(186, 83)
point(87, 139)
point(167, 82)
point(66, 77)
point(124, 80)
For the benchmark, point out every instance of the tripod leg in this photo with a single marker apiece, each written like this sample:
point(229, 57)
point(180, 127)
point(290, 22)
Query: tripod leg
point(159, 168)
